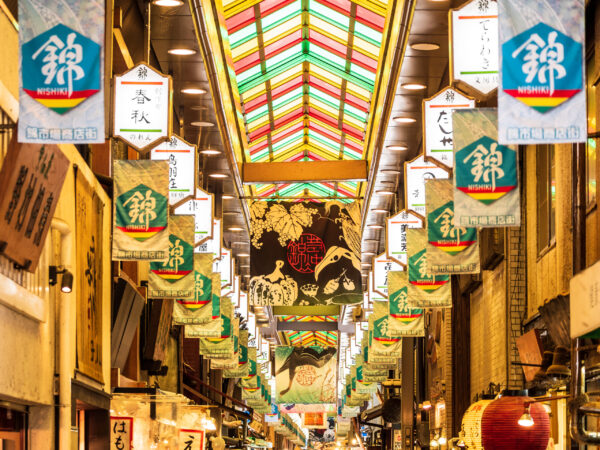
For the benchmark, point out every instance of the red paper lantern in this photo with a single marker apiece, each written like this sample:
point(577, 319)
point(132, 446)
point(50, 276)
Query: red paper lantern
point(500, 428)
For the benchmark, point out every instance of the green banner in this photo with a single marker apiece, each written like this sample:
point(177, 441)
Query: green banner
point(174, 277)
point(404, 319)
point(213, 327)
point(368, 374)
point(371, 363)
point(242, 369)
point(381, 344)
point(221, 346)
point(450, 248)
point(219, 362)
point(199, 309)
point(140, 210)
point(250, 380)
point(424, 289)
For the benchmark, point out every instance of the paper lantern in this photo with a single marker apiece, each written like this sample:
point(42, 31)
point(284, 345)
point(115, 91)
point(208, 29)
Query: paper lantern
point(500, 427)
point(471, 424)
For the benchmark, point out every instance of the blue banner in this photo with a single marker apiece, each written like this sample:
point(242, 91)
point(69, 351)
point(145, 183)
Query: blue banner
point(541, 98)
point(61, 71)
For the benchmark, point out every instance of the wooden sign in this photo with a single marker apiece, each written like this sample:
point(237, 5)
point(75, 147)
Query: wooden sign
point(530, 350)
point(31, 179)
point(121, 433)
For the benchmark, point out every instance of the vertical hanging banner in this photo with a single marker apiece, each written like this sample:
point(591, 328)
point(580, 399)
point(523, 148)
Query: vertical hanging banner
point(61, 82)
point(305, 253)
point(437, 124)
point(182, 166)
point(199, 309)
point(31, 179)
point(404, 319)
point(305, 374)
point(395, 234)
point(425, 290)
point(250, 380)
point(474, 46)
point(141, 214)
point(382, 266)
point(174, 277)
point(211, 328)
point(382, 344)
point(450, 248)
point(486, 181)
point(89, 241)
point(542, 97)
point(201, 207)
point(142, 106)
point(221, 346)
point(242, 369)
point(416, 173)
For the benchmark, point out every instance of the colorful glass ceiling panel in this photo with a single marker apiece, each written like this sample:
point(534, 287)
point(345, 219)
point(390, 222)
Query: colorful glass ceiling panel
point(308, 318)
point(305, 71)
point(308, 338)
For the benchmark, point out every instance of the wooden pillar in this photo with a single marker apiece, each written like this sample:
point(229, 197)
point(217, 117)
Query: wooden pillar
point(408, 392)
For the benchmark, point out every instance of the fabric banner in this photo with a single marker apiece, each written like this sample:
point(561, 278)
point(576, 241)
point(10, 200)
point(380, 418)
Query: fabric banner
point(305, 374)
point(310, 408)
point(250, 380)
point(424, 289)
point(542, 96)
point(362, 386)
point(372, 363)
point(305, 253)
point(174, 277)
point(367, 374)
point(486, 181)
point(200, 308)
point(61, 82)
point(404, 319)
point(213, 327)
point(220, 361)
point(221, 346)
point(89, 212)
point(450, 248)
point(381, 343)
point(243, 368)
point(140, 212)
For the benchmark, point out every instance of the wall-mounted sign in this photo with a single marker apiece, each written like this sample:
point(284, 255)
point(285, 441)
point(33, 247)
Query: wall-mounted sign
point(191, 440)
point(202, 209)
point(224, 266)
point(474, 46)
point(182, 166)
point(121, 433)
point(61, 87)
point(437, 123)
point(585, 301)
point(31, 179)
point(213, 245)
point(542, 96)
point(416, 172)
point(142, 100)
point(381, 266)
point(395, 238)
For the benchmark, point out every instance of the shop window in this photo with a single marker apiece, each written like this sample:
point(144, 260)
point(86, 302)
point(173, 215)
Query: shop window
point(12, 429)
point(546, 197)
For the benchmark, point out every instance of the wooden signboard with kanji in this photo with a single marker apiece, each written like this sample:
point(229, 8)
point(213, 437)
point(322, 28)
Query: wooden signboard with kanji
point(31, 179)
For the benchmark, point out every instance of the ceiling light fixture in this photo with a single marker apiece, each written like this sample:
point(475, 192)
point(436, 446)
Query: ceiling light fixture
point(235, 229)
point(168, 3)
point(368, 253)
point(227, 197)
point(397, 148)
point(425, 46)
point(375, 226)
point(413, 86)
point(193, 91)
point(404, 119)
point(243, 255)
point(202, 124)
point(210, 152)
point(390, 171)
point(385, 192)
point(181, 51)
point(379, 210)
point(217, 175)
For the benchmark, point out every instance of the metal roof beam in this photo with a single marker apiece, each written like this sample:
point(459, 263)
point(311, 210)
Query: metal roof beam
point(304, 172)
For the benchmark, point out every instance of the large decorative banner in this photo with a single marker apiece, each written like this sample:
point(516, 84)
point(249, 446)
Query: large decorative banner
point(174, 277)
point(437, 124)
point(61, 82)
point(250, 380)
point(31, 180)
point(416, 173)
point(486, 182)
point(328, 408)
point(227, 361)
point(141, 212)
point(182, 166)
point(305, 253)
point(200, 308)
point(474, 46)
point(382, 344)
point(382, 266)
point(89, 241)
point(211, 328)
point(395, 234)
point(243, 368)
point(424, 289)
point(201, 207)
point(367, 374)
point(305, 374)
point(374, 363)
point(222, 346)
point(404, 319)
point(542, 95)
point(450, 248)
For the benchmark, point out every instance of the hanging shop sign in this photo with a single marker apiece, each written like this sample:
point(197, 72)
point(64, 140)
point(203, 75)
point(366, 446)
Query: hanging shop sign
point(242, 368)
point(121, 433)
point(314, 420)
point(224, 266)
point(213, 245)
point(250, 381)
point(199, 309)
point(395, 234)
point(450, 248)
point(228, 354)
point(31, 179)
point(221, 346)
point(374, 296)
point(382, 343)
point(201, 207)
point(309, 256)
point(416, 173)
point(174, 277)
point(211, 328)
point(486, 182)
point(142, 105)
point(61, 83)
point(585, 301)
point(382, 265)
point(437, 124)
point(425, 290)
point(542, 97)
point(182, 166)
point(404, 319)
point(141, 214)
point(305, 374)
point(191, 439)
point(89, 244)
point(474, 46)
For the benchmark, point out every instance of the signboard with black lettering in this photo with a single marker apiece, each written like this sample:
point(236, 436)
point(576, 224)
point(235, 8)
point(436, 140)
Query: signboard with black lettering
point(31, 179)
